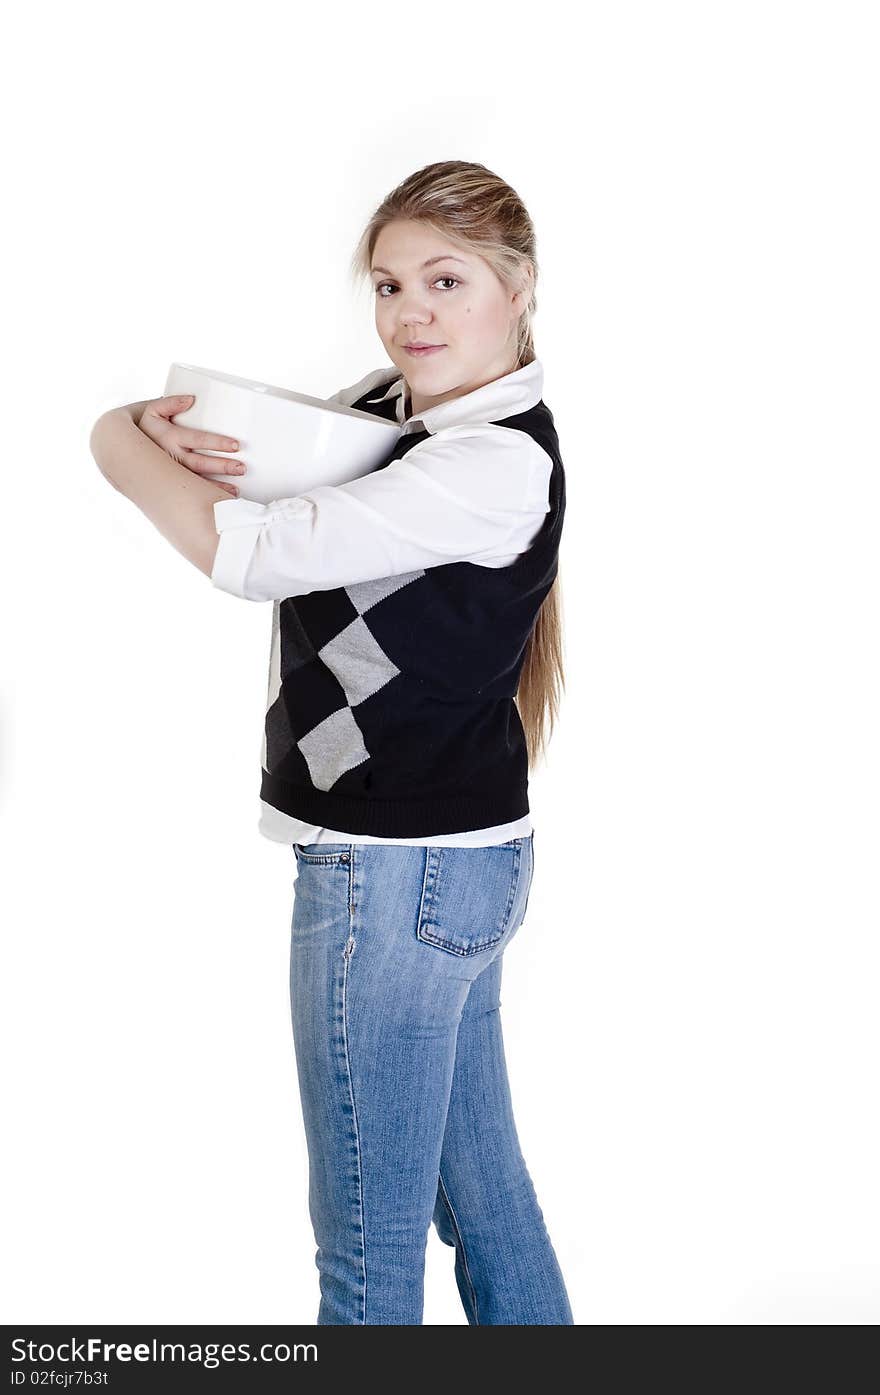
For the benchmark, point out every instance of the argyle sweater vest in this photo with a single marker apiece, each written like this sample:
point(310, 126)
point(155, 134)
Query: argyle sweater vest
point(395, 716)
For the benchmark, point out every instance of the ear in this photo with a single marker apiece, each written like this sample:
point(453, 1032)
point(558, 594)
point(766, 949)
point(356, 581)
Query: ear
point(521, 299)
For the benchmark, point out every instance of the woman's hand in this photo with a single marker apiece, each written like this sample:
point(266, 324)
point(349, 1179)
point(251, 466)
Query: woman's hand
point(183, 443)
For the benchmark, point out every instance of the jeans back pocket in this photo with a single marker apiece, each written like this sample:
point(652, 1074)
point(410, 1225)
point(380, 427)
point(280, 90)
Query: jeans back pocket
point(472, 897)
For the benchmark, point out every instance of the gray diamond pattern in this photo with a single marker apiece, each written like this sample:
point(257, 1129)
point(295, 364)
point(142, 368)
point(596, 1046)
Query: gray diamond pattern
point(362, 668)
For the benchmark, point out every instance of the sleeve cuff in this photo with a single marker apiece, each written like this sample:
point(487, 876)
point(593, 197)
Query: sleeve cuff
point(238, 521)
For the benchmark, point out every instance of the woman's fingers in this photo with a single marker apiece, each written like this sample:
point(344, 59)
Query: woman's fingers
point(210, 464)
point(207, 440)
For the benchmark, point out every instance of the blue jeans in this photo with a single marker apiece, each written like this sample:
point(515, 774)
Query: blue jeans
point(395, 971)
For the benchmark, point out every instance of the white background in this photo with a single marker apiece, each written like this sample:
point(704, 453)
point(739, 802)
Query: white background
point(691, 1009)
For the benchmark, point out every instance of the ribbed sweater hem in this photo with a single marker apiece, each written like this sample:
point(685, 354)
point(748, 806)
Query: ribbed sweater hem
point(396, 818)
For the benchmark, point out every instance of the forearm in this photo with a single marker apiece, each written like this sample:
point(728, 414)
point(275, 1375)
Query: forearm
point(179, 502)
point(121, 450)
point(126, 456)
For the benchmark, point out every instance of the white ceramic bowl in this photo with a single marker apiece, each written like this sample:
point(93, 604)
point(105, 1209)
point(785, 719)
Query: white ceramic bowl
point(289, 442)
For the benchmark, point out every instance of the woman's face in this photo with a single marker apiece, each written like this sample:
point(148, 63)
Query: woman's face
point(457, 301)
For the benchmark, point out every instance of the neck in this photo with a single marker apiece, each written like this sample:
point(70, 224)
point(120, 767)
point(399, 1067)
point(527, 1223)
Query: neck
point(490, 375)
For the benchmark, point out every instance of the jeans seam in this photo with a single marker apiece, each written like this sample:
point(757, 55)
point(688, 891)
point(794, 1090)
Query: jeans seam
point(460, 1238)
point(346, 962)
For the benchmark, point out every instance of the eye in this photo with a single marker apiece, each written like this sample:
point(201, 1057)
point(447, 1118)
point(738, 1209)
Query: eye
point(382, 284)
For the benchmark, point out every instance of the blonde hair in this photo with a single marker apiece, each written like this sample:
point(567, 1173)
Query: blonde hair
point(477, 211)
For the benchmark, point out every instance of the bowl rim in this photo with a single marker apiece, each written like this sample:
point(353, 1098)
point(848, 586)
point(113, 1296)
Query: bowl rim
point(272, 390)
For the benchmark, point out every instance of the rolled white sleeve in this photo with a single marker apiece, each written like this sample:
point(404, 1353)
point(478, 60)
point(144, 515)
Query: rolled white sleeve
point(469, 493)
point(239, 528)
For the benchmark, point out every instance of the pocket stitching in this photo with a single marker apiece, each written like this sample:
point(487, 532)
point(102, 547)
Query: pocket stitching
point(325, 858)
point(429, 896)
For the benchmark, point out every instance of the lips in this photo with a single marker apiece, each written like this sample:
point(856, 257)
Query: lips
point(424, 349)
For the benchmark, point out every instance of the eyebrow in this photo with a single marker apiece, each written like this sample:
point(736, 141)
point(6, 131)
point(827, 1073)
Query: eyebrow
point(446, 257)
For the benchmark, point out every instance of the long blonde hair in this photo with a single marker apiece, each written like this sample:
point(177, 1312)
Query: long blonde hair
point(477, 210)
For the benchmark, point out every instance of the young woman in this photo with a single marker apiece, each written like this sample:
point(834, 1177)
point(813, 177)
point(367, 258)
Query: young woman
point(416, 658)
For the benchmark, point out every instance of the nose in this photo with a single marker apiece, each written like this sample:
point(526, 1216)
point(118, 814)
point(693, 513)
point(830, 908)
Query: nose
point(411, 310)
